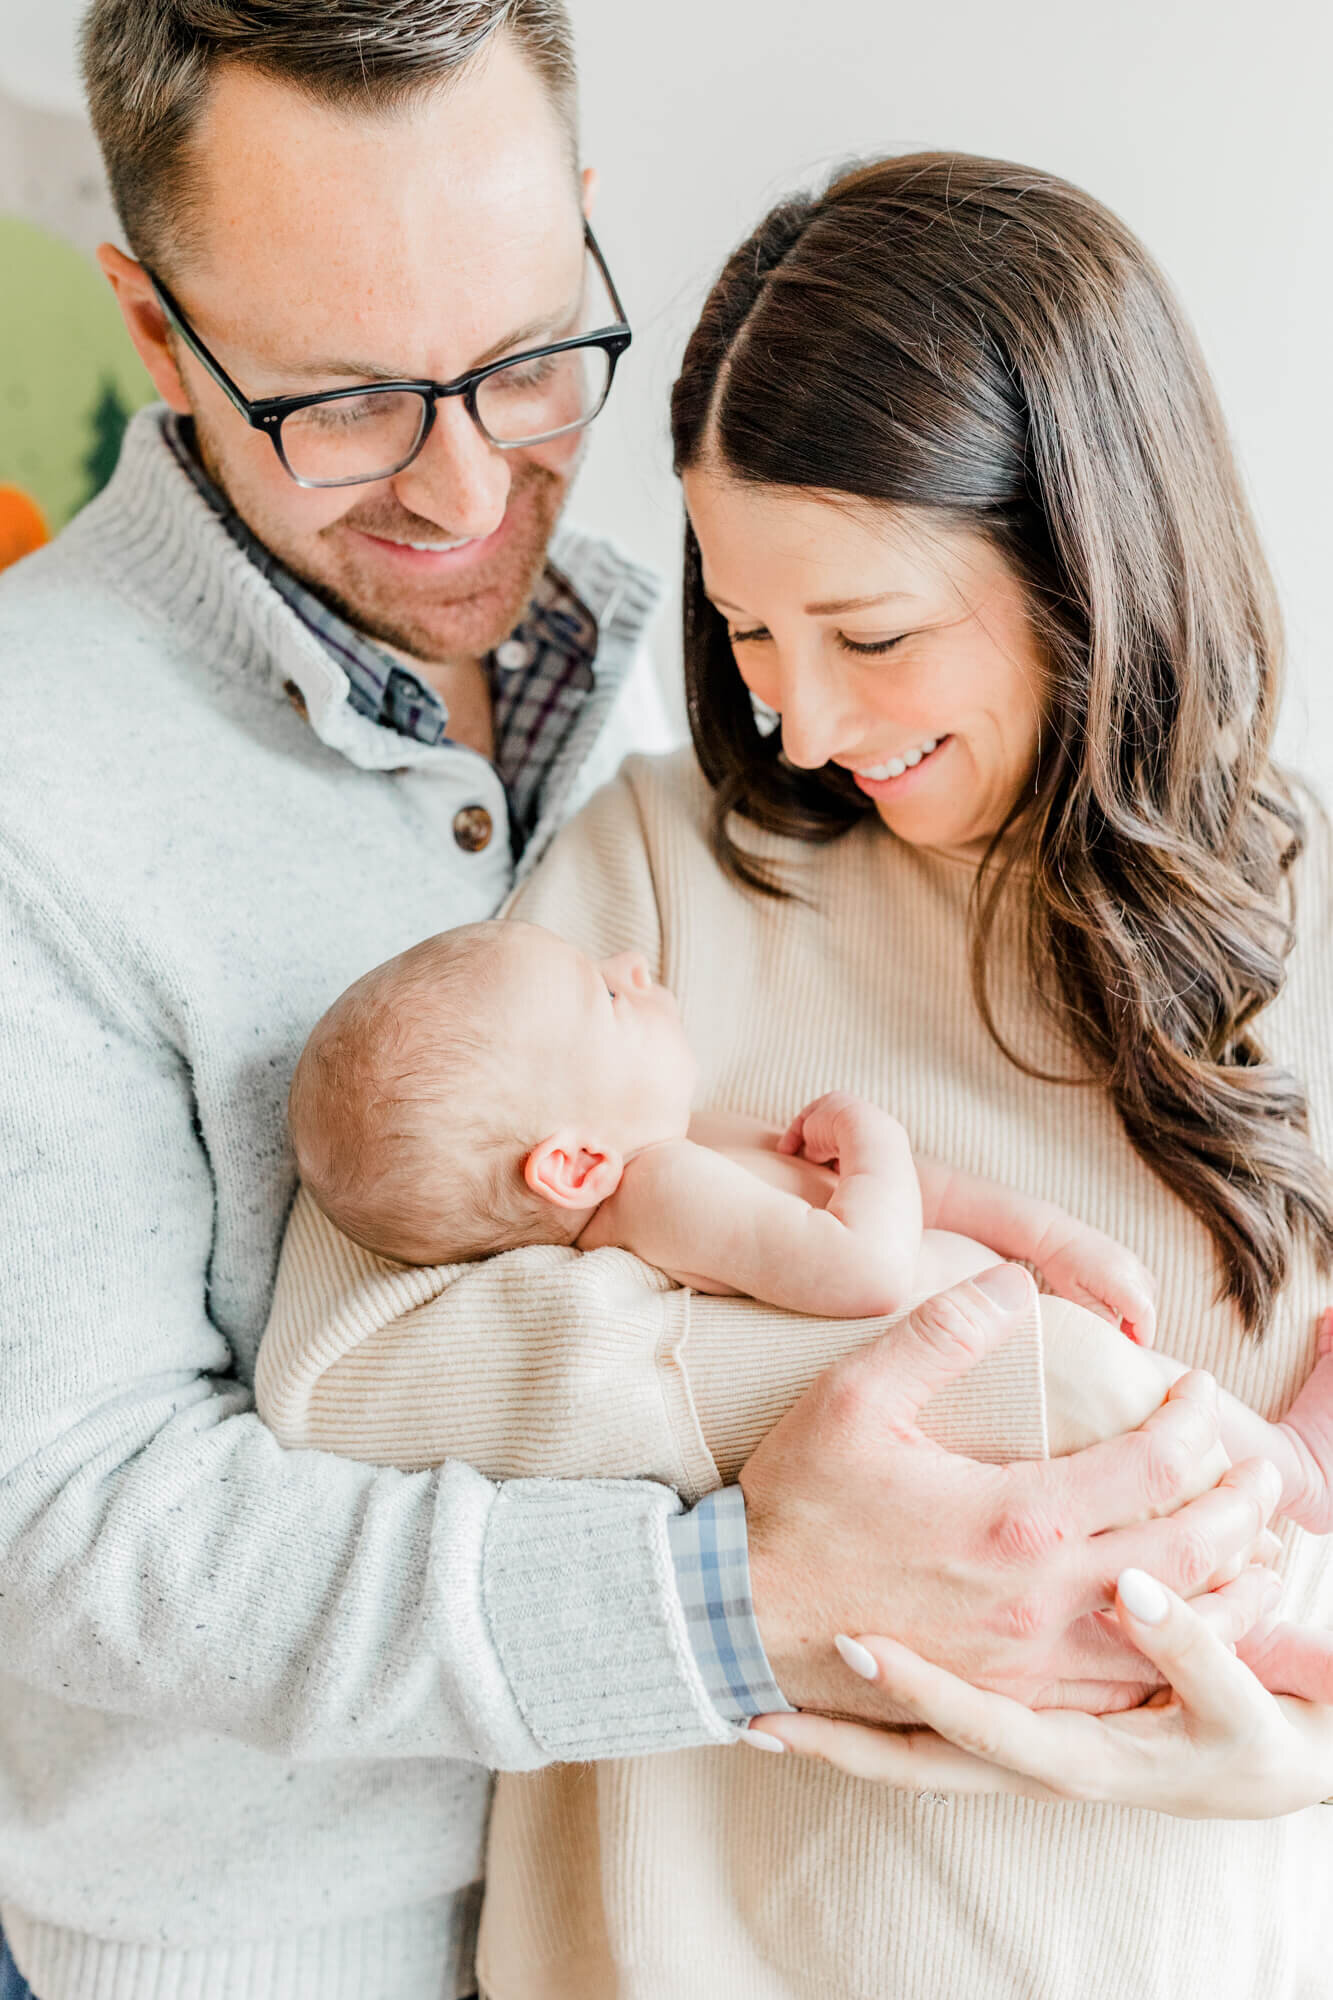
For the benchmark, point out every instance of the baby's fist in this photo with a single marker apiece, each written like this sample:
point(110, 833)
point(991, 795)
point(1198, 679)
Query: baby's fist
point(835, 1127)
point(1095, 1271)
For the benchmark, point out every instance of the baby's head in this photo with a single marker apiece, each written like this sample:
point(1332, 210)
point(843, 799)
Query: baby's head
point(484, 1090)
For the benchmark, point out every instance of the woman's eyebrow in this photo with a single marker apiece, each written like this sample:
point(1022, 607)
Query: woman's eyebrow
point(825, 610)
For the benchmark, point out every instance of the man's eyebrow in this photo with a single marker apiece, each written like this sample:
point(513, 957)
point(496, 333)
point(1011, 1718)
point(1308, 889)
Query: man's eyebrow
point(532, 335)
point(826, 609)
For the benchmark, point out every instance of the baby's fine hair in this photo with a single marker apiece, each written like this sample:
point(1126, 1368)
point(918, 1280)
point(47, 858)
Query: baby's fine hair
point(407, 1128)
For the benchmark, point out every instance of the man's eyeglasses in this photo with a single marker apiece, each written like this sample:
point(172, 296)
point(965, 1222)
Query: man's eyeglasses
point(348, 437)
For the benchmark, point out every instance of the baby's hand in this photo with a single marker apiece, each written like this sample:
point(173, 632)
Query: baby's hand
point(1290, 1659)
point(1308, 1427)
point(1095, 1271)
point(837, 1130)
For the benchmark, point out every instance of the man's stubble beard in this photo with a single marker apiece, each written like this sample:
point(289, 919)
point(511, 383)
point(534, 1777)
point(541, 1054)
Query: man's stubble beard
point(473, 624)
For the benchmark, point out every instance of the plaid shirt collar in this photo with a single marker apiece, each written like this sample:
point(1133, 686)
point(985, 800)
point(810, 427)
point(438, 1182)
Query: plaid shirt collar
point(539, 676)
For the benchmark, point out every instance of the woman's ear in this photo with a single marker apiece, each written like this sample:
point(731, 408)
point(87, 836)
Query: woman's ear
point(147, 324)
point(569, 1174)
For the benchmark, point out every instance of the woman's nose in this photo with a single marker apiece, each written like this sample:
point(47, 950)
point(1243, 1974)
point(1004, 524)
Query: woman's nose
point(812, 730)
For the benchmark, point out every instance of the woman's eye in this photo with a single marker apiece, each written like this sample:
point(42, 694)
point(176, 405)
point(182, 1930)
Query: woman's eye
point(747, 638)
point(869, 648)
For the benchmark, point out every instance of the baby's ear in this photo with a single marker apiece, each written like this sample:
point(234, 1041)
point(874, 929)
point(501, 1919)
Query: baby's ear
point(565, 1172)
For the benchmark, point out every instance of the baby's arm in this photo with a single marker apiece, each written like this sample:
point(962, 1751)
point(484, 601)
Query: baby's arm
point(1306, 1433)
point(711, 1224)
point(1077, 1262)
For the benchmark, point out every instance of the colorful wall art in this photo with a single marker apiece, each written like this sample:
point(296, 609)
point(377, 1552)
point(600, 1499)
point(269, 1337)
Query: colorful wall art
point(69, 376)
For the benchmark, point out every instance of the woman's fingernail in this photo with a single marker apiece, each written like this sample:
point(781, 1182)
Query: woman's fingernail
point(1270, 1479)
point(1142, 1596)
point(857, 1657)
point(761, 1740)
point(1006, 1284)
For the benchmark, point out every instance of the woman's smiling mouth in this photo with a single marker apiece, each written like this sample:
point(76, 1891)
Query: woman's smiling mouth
point(873, 777)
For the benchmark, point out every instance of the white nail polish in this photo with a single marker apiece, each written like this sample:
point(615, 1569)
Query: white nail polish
point(857, 1657)
point(1143, 1596)
point(761, 1740)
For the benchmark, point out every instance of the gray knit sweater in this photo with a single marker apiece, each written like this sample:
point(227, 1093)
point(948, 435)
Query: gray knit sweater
point(247, 1695)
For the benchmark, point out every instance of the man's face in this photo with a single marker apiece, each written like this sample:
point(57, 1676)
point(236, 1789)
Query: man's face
point(339, 245)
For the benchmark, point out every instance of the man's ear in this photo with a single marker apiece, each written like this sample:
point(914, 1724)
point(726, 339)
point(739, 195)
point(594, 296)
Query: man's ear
point(569, 1174)
point(147, 324)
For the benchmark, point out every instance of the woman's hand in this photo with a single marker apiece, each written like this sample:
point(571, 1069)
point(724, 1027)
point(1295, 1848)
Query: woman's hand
point(1214, 1744)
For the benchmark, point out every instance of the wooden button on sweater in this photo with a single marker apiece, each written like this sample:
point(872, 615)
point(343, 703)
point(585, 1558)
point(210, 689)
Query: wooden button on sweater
point(473, 827)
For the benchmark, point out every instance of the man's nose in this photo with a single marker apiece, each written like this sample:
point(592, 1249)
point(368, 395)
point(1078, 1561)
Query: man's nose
point(458, 479)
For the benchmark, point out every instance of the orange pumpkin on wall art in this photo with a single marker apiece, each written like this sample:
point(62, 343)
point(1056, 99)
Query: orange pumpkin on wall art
point(22, 525)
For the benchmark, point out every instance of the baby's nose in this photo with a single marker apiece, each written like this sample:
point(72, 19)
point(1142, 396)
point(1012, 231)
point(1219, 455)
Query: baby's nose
point(631, 968)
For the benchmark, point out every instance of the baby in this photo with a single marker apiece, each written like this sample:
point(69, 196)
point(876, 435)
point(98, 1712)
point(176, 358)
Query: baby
point(493, 1087)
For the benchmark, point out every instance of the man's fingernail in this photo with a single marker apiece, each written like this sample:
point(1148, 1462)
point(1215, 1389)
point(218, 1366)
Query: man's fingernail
point(1142, 1596)
point(1007, 1285)
point(761, 1740)
point(857, 1657)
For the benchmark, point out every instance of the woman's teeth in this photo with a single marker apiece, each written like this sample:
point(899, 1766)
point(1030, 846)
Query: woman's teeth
point(897, 765)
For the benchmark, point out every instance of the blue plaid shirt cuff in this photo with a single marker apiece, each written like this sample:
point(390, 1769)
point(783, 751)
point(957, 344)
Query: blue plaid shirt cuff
point(711, 1552)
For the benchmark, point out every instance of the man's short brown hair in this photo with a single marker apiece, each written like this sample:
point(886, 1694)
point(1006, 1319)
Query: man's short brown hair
point(147, 66)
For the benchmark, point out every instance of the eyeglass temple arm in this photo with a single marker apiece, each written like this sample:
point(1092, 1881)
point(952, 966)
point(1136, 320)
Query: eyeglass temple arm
point(607, 279)
point(196, 346)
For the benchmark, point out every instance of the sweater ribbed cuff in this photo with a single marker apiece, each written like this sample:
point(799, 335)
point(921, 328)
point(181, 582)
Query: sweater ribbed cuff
point(421, 1952)
point(580, 1591)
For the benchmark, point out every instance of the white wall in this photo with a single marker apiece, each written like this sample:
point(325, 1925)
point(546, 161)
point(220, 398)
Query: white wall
point(1205, 123)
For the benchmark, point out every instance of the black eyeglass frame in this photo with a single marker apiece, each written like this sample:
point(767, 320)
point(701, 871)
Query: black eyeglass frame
point(269, 412)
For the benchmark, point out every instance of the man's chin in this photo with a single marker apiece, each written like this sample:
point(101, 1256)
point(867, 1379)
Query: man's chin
point(465, 628)
point(456, 612)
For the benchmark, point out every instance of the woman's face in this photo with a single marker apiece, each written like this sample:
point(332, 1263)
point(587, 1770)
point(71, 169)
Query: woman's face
point(899, 649)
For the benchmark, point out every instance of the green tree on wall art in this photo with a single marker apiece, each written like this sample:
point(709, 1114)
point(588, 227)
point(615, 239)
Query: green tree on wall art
point(69, 376)
point(108, 423)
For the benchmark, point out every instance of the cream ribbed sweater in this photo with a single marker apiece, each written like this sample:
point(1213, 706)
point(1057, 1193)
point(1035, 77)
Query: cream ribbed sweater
point(717, 1872)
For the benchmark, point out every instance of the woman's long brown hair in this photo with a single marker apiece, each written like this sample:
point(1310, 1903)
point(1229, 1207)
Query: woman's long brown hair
point(989, 344)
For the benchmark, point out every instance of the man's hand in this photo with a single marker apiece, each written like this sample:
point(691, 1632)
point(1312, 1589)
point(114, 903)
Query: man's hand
point(1002, 1574)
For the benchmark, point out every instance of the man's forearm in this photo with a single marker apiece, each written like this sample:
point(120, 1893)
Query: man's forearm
point(163, 1557)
